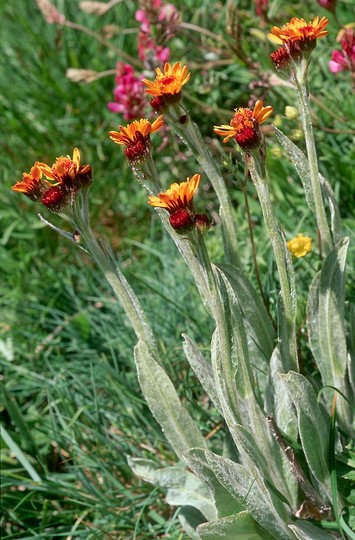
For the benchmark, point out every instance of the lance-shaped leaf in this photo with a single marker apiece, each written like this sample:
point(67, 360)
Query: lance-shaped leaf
point(164, 403)
point(301, 165)
point(225, 503)
point(183, 487)
point(326, 328)
point(202, 370)
point(251, 414)
point(312, 426)
point(242, 526)
point(325, 317)
point(252, 494)
point(259, 329)
point(304, 530)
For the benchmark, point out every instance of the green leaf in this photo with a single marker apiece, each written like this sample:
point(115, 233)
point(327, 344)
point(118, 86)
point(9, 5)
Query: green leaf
point(20, 456)
point(190, 518)
point(279, 404)
point(326, 327)
point(301, 165)
point(202, 370)
point(225, 503)
point(259, 329)
point(312, 426)
point(241, 526)
point(81, 322)
point(251, 493)
point(164, 403)
point(304, 530)
point(183, 487)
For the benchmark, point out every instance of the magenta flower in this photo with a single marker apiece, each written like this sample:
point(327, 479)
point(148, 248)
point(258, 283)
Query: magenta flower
point(345, 59)
point(158, 23)
point(328, 4)
point(129, 95)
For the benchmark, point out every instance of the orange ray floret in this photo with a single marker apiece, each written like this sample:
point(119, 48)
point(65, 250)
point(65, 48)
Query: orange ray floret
point(178, 196)
point(299, 30)
point(168, 82)
point(31, 184)
point(67, 171)
point(128, 135)
point(244, 123)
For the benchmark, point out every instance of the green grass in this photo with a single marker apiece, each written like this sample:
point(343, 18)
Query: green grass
point(71, 404)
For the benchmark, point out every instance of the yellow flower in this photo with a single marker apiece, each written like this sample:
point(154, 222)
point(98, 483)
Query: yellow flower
point(178, 196)
point(299, 30)
point(300, 245)
point(136, 137)
point(244, 126)
point(168, 82)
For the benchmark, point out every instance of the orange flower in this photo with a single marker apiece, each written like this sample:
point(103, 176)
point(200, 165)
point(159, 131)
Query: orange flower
point(68, 172)
point(55, 185)
point(31, 184)
point(178, 196)
point(136, 138)
point(244, 126)
point(299, 30)
point(168, 84)
point(178, 201)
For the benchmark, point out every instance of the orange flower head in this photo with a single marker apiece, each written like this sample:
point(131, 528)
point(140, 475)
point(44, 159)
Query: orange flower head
point(67, 172)
point(178, 201)
point(297, 40)
point(136, 138)
point(299, 30)
point(167, 84)
point(55, 185)
point(244, 126)
point(31, 184)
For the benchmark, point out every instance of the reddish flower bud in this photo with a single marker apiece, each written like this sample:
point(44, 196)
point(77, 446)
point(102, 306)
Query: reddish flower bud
point(202, 222)
point(181, 221)
point(157, 103)
point(54, 198)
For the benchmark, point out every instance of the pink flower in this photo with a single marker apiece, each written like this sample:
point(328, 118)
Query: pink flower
point(130, 100)
point(142, 18)
point(261, 7)
point(328, 4)
point(345, 59)
point(338, 62)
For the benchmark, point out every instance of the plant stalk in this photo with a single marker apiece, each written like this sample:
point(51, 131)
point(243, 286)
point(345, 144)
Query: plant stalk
point(305, 114)
point(179, 119)
point(287, 315)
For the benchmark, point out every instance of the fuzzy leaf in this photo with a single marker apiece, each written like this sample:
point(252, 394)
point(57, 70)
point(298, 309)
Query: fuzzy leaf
point(300, 163)
point(164, 403)
point(183, 487)
point(312, 426)
point(225, 503)
point(325, 314)
point(190, 518)
point(242, 526)
point(257, 322)
point(202, 370)
point(326, 329)
point(251, 494)
point(304, 530)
